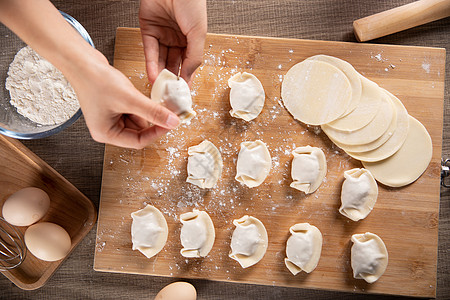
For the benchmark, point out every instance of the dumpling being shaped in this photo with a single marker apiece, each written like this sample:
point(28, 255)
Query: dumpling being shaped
point(303, 248)
point(204, 165)
point(149, 231)
point(253, 164)
point(197, 234)
point(249, 241)
point(369, 257)
point(309, 168)
point(173, 92)
point(359, 194)
point(246, 96)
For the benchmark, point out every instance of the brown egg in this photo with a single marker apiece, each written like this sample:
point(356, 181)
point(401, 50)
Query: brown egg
point(47, 241)
point(26, 206)
point(177, 291)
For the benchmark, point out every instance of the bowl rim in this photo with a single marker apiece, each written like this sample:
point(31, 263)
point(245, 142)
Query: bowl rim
point(29, 136)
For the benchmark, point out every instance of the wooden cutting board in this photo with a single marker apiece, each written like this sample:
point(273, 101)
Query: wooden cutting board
point(405, 218)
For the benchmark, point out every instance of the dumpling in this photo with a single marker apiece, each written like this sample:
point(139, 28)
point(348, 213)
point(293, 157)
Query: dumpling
point(303, 248)
point(204, 165)
point(149, 231)
point(249, 241)
point(173, 92)
point(359, 194)
point(253, 164)
point(197, 234)
point(246, 96)
point(309, 167)
point(369, 257)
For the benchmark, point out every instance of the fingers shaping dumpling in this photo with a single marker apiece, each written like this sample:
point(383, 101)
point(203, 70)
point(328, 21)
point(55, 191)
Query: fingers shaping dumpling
point(309, 167)
point(197, 234)
point(253, 164)
point(173, 92)
point(148, 231)
point(204, 165)
point(249, 241)
point(303, 248)
point(246, 96)
point(369, 257)
point(359, 194)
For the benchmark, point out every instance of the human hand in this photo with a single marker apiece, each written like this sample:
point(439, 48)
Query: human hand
point(173, 33)
point(115, 111)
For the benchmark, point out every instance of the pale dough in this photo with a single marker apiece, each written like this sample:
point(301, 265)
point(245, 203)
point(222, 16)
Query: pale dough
point(352, 75)
point(409, 162)
point(371, 131)
point(395, 141)
point(366, 109)
point(253, 164)
point(173, 92)
point(316, 92)
point(303, 248)
point(246, 96)
point(197, 234)
point(369, 257)
point(359, 194)
point(249, 241)
point(149, 231)
point(372, 145)
point(204, 165)
point(309, 168)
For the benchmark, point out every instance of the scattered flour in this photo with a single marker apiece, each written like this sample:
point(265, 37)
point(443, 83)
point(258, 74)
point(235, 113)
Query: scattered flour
point(426, 67)
point(38, 90)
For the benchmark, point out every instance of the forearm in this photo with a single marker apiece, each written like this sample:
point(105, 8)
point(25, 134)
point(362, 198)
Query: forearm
point(39, 24)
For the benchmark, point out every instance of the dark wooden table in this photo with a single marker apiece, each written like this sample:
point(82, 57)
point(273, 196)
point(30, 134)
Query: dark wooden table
point(78, 158)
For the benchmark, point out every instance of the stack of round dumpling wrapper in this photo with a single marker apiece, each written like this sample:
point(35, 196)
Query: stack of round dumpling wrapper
point(366, 121)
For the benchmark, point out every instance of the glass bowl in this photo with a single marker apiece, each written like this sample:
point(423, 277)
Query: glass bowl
point(12, 123)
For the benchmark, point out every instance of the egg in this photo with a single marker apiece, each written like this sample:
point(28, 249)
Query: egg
point(47, 241)
point(26, 206)
point(177, 291)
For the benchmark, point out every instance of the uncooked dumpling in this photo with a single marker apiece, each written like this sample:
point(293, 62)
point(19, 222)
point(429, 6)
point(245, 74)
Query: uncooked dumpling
point(173, 92)
point(303, 248)
point(149, 231)
point(359, 194)
point(315, 92)
point(197, 234)
point(204, 165)
point(309, 167)
point(246, 96)
point(249, 241)
point(369, 257)
point(253, 164)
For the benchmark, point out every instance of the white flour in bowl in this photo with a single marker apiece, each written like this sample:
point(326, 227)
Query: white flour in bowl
point(38, 90)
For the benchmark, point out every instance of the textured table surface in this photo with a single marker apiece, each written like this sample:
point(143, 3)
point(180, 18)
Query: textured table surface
point(78, 158)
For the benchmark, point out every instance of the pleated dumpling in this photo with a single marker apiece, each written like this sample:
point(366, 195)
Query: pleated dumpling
point(303, 248)
point(249, 241)
point(204, 165)
point(149, 231)
point(246, 96)
point(173, 92)
point(359, 194)
point(369, 257)
point(197, 234)
point(309, 168)
point(253, 164)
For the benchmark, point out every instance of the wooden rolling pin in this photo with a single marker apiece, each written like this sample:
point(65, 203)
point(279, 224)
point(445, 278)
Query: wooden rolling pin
point(400, 18)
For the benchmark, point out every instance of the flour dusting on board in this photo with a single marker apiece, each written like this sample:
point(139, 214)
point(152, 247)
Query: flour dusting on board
point(157, 174)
